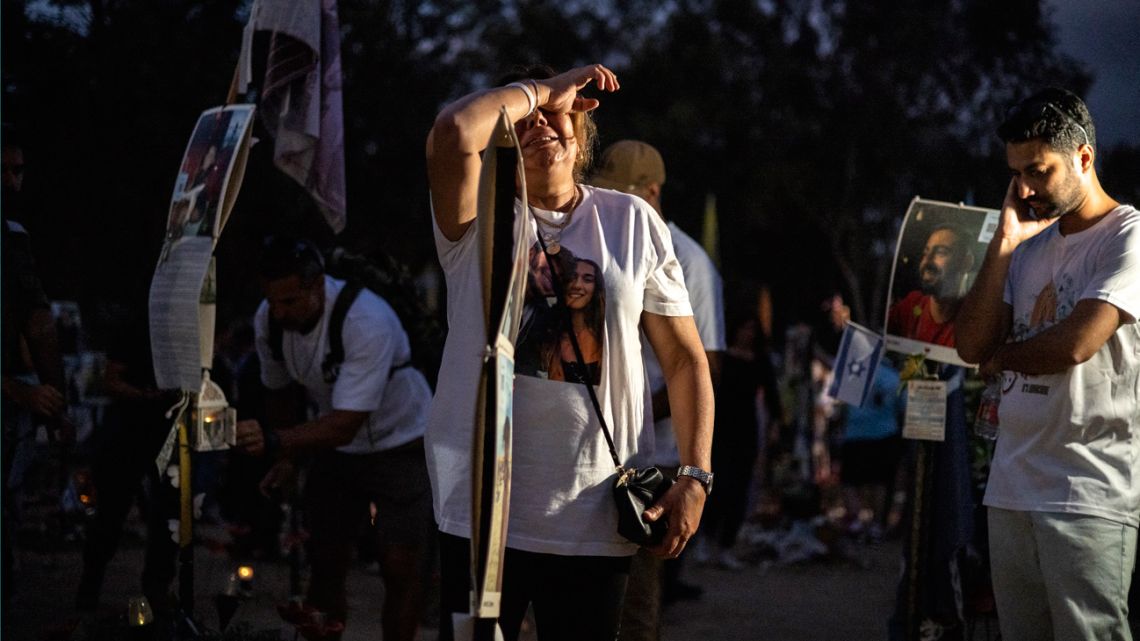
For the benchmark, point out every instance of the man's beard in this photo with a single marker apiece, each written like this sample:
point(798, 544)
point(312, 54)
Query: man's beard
point(940, 287)
point(1068, 198)
point(930, 281)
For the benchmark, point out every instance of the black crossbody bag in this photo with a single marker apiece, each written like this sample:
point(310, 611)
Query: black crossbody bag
point(634, 489)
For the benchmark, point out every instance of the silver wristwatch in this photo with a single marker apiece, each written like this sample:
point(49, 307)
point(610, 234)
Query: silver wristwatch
point(699, 475)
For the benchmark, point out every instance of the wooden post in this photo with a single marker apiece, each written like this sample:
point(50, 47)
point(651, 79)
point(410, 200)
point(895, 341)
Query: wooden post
point(185, 520)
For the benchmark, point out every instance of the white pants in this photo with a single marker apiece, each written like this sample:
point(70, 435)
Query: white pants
point(1060, 576)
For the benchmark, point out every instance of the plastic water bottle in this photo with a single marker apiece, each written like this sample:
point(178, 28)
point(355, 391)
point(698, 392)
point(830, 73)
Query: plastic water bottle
point(986, 423)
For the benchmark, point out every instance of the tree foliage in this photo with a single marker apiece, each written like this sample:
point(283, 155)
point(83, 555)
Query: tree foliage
point(813, 123)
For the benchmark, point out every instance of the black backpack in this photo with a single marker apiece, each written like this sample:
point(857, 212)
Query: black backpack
point(391, 281)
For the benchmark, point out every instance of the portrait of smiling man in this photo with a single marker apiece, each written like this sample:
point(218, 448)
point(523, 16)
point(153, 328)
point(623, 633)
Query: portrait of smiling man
point(927, 314)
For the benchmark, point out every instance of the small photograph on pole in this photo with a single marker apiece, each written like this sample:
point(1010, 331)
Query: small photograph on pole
point(939, 251)
point(200, 186)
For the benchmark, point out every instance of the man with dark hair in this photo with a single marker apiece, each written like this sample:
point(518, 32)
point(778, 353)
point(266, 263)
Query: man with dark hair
point(927, 314)
point(367, 441)
point(28, 321)
point(1054, 311)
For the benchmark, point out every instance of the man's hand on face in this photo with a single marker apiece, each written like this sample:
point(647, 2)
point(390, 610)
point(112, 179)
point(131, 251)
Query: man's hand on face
point(1017, 221)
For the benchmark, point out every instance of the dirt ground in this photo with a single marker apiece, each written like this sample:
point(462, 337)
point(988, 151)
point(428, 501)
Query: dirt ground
point(844, 596)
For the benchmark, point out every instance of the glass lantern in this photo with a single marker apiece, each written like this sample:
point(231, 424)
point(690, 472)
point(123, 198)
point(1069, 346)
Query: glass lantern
point(139, 612)
point(212, 421)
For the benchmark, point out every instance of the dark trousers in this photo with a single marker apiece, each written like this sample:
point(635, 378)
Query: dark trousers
point(8, 441)
point(338, 489)
point(124, 458)
point(575, 598)
point(733, 458)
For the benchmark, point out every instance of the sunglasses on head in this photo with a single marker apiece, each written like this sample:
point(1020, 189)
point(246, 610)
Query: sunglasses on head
point(1042, 108)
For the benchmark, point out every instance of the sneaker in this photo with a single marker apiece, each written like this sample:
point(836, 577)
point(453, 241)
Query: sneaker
point(930, 630)
point(726, 560)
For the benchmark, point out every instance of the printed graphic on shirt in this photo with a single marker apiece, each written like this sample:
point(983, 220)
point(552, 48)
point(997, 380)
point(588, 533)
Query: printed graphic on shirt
point(1008, 380)
point(544, 348)
point(1052, 305)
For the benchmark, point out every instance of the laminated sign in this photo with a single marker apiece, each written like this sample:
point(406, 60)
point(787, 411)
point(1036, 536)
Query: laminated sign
point(925, 410)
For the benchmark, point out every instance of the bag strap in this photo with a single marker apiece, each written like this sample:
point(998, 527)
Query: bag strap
point(556, 282)
point(335, 357)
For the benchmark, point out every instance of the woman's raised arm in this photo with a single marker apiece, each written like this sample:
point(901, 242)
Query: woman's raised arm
point(461, 131)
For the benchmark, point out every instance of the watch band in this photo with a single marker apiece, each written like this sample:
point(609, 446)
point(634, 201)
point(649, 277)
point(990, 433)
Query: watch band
point(698, 475)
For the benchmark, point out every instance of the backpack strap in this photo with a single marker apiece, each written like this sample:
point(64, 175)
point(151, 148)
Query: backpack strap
point(335, 357)
point(276, 340)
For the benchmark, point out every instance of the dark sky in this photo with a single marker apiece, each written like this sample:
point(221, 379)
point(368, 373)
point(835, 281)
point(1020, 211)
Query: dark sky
point(1104, 34)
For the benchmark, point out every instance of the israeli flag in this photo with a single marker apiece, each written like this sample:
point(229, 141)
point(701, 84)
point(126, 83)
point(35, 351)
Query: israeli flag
point(859, 353)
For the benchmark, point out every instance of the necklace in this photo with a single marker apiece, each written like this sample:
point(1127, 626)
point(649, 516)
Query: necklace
point(552, 231)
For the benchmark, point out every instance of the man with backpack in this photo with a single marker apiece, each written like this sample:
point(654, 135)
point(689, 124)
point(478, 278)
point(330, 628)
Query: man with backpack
point(346, 346)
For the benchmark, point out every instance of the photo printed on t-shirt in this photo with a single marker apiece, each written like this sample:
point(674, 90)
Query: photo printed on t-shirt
point(544, 348)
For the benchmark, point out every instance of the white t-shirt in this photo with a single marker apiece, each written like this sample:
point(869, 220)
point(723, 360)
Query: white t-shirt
point(706, 293)
point(1070, 442)
point(561, 500)
point(369, 381)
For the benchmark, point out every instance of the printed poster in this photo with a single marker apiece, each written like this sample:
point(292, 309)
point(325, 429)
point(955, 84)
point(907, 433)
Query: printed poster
point(937, 257)
point(183, 289)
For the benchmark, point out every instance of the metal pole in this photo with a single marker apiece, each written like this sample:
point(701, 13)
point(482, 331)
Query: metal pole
point(916, 552)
